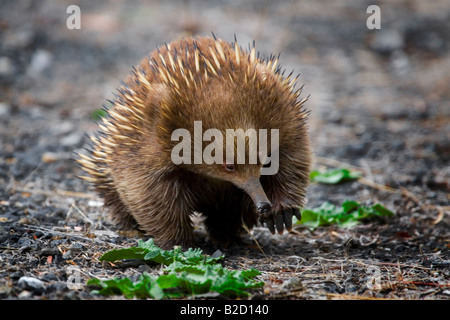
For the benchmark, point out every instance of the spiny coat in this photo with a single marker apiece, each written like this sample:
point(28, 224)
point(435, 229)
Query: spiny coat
point(216, 82)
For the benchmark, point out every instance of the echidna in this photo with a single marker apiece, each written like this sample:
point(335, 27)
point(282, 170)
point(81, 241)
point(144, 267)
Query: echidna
point(147, 163)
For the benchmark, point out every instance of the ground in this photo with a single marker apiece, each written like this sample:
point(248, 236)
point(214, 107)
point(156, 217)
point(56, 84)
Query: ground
point(379, 102)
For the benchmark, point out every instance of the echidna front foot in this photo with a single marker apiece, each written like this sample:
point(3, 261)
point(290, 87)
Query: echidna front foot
point(281, 219)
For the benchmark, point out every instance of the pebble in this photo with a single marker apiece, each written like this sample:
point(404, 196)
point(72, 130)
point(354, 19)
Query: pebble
point(25, 295)
point(72, 140)
point(30, 283)
point(17, 40)
point(5, 109)
point(40, 61)
point(49, 251)
point(6, 67)
point(386, 41)
point(16, 275)
point(25, 249)
point(4, 292)
point(77, 247)
point(292, 283)
point(74, 249)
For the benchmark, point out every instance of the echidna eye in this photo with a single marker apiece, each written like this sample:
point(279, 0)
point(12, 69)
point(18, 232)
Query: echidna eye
point(229, 167)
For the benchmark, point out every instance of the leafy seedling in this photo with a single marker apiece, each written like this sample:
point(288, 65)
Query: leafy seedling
point(348, 215)
point(186, 273)
point(334, 176)
point(148, 251)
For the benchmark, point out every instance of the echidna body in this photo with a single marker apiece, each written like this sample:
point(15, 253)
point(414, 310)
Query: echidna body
point(218, 84)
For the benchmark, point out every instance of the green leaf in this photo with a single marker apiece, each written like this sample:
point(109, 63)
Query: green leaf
point(350, 206)
point(148, 251)
point(334, 176)
point(346, 216)
point(145, 287)
point(98, 114)
point(382, 211)
point(122, 254)
point(250, 274)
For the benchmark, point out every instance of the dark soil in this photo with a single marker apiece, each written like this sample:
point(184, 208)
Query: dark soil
point(380, 103)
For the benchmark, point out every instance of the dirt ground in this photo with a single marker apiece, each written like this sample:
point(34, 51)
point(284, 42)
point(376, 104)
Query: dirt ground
point(379, 101)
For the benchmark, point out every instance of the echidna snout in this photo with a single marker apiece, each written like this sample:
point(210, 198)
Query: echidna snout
point(256, 192)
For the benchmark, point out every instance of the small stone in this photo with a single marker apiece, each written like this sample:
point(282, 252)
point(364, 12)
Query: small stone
point(144, 268)
point(30, 283)
point(68, 255)
point(71, 140)
point(25, 249)
point(16, 275)
point(49, 277)
point(49, 251)
point(40, 61)
point(24, 295)
point(27, 220)
point(5, 109)
point(387, 41)
point(6, 67)
point(77, 247)
point(4, 292)
point(292, 284)
point(217, 254)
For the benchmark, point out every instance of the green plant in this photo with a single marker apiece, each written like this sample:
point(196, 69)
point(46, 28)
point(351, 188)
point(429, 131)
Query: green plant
point(334, 176)
point(347, 215)
point(98, 114)
point(186, 273)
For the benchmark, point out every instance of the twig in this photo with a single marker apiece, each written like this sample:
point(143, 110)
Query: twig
point(8, 248)
point(76, 194)
point(399, 265)
point(421, 283)
point(83, 216)
point(336, 163)
point(371, 263)
point(367, 169)
point(65, 193)
point(246, 228)
point(378, 186)
point(440, 209)
point(354, 297)
point(65, 234)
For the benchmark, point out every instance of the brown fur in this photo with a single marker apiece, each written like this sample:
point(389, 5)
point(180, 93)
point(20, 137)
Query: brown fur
point(208, 80)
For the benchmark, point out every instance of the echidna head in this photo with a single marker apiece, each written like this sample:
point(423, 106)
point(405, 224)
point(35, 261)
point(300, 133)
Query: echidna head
point(239, 156)
point(224, 111)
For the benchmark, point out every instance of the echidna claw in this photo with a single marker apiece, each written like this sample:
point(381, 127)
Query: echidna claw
point(280, 220)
